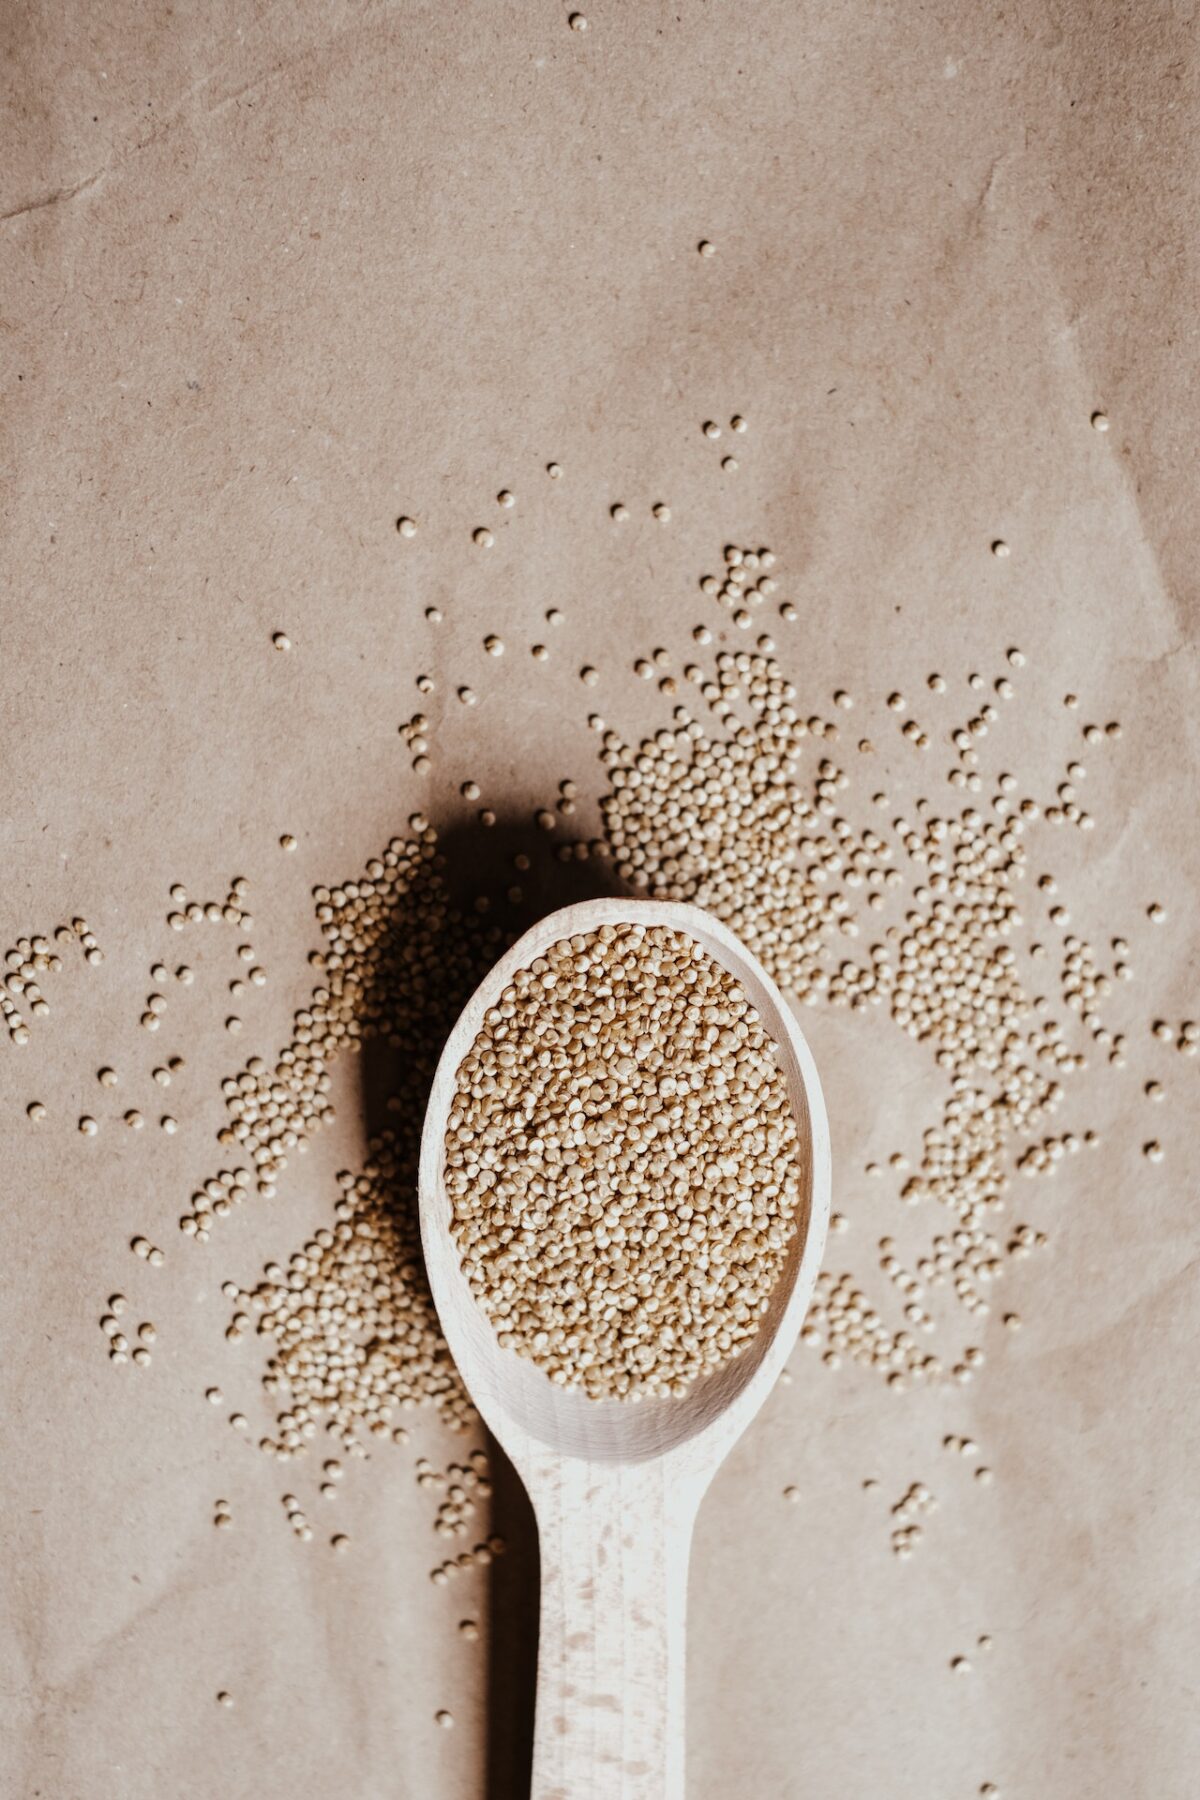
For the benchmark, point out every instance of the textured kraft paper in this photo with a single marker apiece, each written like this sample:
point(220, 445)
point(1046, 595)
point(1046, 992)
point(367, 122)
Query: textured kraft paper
point(272, 276)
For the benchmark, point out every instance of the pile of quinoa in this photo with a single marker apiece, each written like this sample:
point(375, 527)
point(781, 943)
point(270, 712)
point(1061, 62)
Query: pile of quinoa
point(622, 1164)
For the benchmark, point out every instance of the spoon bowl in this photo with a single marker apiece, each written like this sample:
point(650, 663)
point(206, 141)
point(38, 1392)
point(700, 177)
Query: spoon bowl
point(615, 1484)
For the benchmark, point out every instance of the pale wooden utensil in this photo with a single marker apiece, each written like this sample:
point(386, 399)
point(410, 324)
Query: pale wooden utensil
point(616, 1486)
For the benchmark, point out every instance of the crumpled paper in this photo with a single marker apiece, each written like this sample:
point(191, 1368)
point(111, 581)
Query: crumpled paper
point(271, 282)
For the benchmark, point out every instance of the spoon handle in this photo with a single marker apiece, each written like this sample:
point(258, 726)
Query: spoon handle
point(614, 1542)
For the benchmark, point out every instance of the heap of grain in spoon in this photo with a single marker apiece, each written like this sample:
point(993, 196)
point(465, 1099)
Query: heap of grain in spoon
point(622, 1163)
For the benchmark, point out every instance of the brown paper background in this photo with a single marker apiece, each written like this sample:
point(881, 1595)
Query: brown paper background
point(271, 276)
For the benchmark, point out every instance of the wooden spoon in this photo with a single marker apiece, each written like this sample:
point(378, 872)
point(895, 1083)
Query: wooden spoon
point(615, 1486)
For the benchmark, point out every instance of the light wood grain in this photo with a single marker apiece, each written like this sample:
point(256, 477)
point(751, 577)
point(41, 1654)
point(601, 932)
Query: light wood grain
point(616, 1486)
